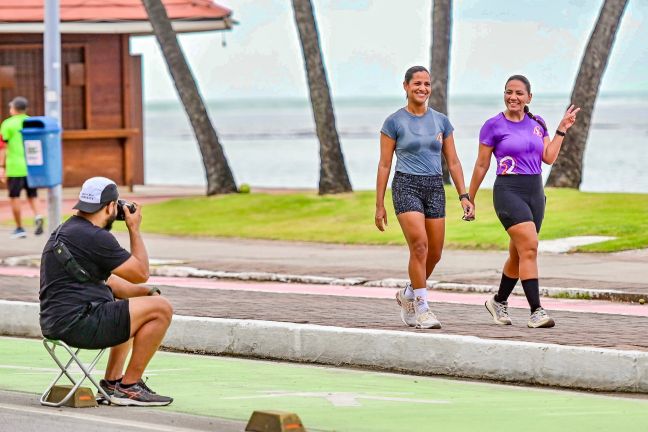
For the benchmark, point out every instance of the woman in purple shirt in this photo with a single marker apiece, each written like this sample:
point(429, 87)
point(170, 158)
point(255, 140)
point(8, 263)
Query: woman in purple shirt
point(520, 142)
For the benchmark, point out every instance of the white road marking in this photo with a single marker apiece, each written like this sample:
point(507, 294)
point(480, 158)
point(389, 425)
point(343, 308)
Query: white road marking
point(338, 399)
point(98, 419)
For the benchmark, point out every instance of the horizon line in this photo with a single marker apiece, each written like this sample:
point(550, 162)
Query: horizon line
point(388, 97)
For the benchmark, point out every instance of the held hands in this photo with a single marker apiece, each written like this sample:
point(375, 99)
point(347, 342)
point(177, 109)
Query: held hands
point(133, 220)
point(569, 118)
point(381, 218)
point(469, 210)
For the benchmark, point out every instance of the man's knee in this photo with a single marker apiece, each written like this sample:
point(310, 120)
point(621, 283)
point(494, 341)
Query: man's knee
point(162, 308)
point(145, 309)
point(166, 307)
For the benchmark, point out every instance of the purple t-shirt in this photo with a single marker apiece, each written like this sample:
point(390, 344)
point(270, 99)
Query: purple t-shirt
point(517, 146)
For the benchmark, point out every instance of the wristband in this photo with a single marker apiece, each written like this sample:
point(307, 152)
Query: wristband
point(154, 290)
point(560, 133)
point(465, 195)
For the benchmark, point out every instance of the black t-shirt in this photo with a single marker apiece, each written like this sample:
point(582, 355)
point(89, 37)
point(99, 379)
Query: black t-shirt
point(62, 297)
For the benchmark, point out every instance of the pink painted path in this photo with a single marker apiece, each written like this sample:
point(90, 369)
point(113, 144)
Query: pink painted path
point(591, 306)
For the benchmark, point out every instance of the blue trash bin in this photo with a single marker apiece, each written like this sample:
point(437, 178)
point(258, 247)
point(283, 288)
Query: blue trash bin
point(42, 141)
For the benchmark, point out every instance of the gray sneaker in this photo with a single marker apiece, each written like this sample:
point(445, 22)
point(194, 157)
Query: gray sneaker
point(499, 311)
point(407, 312)
point(540, 318)
point(139, 395)
point(108, 388)
point(427, 320)
point(38, 224)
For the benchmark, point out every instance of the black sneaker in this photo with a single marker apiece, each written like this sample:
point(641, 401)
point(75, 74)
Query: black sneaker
point(108, 388)
point(138, 395)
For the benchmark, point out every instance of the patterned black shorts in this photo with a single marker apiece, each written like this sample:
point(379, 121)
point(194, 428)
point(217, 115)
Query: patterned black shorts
point(420, 193)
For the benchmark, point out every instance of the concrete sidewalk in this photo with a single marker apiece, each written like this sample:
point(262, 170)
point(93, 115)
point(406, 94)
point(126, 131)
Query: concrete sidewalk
point(623, 274)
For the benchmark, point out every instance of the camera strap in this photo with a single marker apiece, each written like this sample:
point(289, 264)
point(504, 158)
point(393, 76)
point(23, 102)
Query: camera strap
point(69, 263)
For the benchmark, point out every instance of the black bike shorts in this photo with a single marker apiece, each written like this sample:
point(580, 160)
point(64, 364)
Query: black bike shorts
point(101, 325)
point(420, 193)
point(519, 198)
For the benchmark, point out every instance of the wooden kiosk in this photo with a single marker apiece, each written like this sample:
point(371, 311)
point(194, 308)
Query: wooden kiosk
point(101, 80)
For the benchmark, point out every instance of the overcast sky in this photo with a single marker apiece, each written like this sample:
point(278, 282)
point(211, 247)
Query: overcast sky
point(368, 45)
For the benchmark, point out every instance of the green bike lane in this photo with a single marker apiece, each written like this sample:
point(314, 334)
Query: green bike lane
point(338, 399)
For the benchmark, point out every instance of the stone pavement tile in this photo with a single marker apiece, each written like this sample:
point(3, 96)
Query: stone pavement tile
point(573, 328)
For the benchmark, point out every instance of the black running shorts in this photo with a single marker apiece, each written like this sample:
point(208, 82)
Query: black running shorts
point(519, 198)
point(420, 193)
point(16, 184)
point(102, 325)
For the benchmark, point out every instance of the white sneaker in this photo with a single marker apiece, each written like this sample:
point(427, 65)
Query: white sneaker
point(499, 311)
point(427, 320)
point(540, 318)
point(407, 312)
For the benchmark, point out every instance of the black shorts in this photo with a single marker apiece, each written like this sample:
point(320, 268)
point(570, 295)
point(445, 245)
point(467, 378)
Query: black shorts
point(101, 325)
point(519, 198)
point(17, 184)
point(420, 193)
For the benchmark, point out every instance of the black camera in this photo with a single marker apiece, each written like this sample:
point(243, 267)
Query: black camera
point(120, 209)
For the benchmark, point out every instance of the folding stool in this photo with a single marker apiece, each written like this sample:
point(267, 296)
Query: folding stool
point(50, 346)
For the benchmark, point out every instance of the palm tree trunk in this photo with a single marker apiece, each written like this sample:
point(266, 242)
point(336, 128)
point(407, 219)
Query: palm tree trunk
point(333, 174)
point(219, 176)
point(568, 169)
point(439, 62)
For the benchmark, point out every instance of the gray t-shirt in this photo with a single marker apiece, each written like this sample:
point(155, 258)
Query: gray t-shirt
point(418, 140)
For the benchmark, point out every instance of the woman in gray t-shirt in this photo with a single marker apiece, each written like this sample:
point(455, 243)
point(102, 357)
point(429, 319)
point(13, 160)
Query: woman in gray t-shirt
point(418, 135)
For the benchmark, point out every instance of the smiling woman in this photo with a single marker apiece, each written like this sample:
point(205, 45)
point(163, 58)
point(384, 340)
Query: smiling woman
point(520, 143)
point(418, 135)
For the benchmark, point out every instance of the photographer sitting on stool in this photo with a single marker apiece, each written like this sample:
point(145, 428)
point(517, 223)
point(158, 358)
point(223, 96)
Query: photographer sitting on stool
point(89, 297)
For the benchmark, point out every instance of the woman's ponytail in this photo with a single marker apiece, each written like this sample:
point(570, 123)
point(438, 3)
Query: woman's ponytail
point(538, 120)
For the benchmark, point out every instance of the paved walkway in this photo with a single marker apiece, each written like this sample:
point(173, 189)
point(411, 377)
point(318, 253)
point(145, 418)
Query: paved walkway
point(626, 271)
point(465, 315)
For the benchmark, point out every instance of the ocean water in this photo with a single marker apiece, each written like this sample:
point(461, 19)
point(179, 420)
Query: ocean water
point(272, 143)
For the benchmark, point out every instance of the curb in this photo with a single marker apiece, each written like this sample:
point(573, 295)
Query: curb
point(429, 354)
point(185, 271)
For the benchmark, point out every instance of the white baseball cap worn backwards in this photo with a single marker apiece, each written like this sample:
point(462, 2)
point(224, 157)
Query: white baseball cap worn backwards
point(95, 193)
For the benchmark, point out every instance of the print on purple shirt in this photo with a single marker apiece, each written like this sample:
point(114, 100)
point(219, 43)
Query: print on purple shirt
point(517, 146)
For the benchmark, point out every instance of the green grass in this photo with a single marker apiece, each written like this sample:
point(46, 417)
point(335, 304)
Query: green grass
point(575, 296)
point(348, 218)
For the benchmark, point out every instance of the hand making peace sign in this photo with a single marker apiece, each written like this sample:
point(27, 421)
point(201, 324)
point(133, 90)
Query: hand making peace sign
point(569, 118)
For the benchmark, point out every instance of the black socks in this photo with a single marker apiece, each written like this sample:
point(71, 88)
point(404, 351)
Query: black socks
point(505, 289)
point(114, 382)
point(532, 293)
